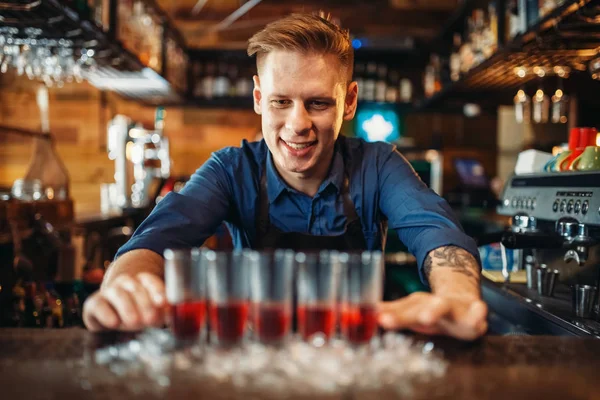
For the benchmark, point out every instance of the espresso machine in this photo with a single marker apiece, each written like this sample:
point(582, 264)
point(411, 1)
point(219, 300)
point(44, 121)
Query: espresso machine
point(556, 227)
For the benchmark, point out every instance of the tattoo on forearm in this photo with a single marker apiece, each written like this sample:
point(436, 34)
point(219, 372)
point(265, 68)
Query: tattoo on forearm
point(455, 258)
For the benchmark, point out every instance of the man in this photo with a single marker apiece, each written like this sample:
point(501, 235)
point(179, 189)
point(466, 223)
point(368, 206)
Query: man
point(303, 187)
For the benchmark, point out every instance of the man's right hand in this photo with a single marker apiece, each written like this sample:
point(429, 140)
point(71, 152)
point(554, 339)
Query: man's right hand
point(129, 302)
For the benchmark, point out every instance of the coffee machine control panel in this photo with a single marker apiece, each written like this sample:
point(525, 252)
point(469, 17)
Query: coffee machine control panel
point(554, 196)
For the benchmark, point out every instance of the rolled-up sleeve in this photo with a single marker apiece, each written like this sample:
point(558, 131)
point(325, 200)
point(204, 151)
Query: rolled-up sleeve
point(188, 218)
point(422, 219)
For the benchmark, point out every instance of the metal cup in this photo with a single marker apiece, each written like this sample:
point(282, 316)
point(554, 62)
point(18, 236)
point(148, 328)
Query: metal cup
point(552, 279)
point(541, 279)
point(530, 271)
point(584, 297)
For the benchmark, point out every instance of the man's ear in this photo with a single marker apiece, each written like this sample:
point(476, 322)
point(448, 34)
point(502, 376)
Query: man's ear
point(256, 94)
point(350, 101)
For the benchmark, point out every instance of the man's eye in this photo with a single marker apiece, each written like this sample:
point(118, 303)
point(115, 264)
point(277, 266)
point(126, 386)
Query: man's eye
point(280, 103)
point(319, 105)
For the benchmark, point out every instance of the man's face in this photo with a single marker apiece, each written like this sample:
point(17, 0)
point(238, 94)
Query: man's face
point(303, 99)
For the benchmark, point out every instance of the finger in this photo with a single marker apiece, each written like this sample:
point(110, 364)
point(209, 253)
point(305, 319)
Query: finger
point(391, 306)
point(433, 310)
point(123, 303)
point(141, 298)
point(155, 287)
point(405, 315)
point(98, 314)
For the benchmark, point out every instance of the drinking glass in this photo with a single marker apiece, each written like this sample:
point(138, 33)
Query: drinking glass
point(228, 294)
point(185, 283)
point(362, 277)
point(318, 281)
point(271, 278)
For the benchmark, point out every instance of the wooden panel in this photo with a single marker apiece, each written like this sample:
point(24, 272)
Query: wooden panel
point(78, 118)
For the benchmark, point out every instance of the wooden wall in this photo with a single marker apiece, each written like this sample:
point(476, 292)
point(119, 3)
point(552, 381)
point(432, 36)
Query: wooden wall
point(78, 118)
point(79, 114)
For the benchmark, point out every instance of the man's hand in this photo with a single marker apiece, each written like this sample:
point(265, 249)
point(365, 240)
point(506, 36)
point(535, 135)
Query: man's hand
point(453, 308)
point(132, 295)
point(129, 303)
point(462, 318)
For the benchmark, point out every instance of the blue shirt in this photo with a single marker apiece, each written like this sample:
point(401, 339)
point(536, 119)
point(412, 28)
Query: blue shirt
point(225, 189)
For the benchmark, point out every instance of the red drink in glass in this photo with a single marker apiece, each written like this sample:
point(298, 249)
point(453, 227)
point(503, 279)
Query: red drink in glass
point(228, 320)
point(272, 322)
point(316, 318)
point(359, 323)
point(188, 318)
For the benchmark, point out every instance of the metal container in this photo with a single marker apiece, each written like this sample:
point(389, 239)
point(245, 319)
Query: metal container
point(584, 297)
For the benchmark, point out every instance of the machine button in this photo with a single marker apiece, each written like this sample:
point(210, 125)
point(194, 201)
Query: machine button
point(514, 202)
point(519, 203)
point(570, 206)
point(533, 203)
point(528, 203)
point(506, 203)
point(585, 207)
point(555, 205)
point(563, 205)
point(577, 206)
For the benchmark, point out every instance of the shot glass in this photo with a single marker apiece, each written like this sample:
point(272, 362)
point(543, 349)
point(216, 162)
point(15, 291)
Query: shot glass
point(317, 288)
point(228, 296)
point(361, 288)
point(185, 284)
point(271, 278)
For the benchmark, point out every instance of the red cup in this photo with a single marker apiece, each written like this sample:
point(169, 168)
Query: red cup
point(566, 164)
point(574, 136)
point(587, 137)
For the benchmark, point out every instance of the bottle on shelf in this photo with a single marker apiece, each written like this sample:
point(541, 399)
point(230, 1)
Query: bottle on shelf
point(370, 81)
point(381, 83)
point(197, 73)
point(208, 80)
point(359, 70)
point(244, 84)
point(221, 83)
point(232, 75)
point(392, 90)
point(491, 31)
point(406, 90)
point(455, 58)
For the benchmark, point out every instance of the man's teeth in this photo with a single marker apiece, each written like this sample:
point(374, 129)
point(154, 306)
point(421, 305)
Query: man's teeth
point(299, 146)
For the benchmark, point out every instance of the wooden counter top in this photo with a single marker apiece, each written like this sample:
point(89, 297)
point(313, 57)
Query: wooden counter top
point(48, 364)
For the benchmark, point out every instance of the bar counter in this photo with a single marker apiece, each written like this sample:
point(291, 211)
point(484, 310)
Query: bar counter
point(54, 364)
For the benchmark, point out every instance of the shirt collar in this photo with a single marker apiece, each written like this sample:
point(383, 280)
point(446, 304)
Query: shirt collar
point(276, 185)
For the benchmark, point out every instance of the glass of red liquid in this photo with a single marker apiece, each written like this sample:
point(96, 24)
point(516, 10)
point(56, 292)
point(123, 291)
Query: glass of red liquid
point(361, 290)
point(271, 277)
point(317, 288)
point(185, 284)
point(228, 296)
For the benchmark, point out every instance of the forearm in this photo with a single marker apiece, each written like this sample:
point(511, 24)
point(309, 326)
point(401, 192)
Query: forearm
point(453, 272)
point(132, 263)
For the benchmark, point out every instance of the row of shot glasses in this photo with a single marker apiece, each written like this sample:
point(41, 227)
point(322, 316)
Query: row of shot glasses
point(255, 295)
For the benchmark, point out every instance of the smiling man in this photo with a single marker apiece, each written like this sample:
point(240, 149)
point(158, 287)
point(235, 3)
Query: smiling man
point(304, 187)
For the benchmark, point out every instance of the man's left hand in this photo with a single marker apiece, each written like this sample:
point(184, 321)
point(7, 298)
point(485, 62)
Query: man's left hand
point(431, 314)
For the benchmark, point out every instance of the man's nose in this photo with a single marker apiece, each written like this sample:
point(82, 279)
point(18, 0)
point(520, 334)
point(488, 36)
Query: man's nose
point(299, 120)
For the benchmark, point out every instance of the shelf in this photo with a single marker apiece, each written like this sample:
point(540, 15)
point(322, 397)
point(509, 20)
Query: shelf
point(221, 102)
point(111, 67)
point(548, 43)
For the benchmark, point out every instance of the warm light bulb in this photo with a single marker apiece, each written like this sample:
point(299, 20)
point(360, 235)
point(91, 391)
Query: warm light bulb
point(558, 93)
point(539, 94)
point(598, 139)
